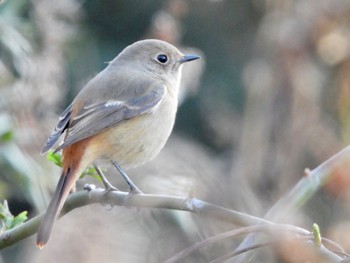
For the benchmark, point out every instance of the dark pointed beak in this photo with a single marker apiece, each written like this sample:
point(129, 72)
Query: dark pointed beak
point(188, 58)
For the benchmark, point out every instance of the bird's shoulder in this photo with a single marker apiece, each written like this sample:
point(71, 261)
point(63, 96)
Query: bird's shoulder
point(120, 84)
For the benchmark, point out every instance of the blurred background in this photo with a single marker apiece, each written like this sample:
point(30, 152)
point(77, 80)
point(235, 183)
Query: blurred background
point(270, 97)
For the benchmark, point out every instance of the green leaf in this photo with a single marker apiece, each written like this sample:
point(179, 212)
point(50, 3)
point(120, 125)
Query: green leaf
point(19, 219)
point(7, 220)
point(55, 158)
point(91, 171)
point(6, 136)
point(317, 235)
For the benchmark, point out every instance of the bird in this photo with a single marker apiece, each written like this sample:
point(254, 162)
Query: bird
point(124, 114)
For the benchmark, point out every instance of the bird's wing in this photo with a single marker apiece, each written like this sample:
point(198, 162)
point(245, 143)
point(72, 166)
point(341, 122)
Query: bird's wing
point(93, 118)
point(61, 126)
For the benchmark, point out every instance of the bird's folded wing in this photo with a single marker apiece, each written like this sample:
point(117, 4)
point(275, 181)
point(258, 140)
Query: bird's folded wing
point(59, 129)
point(94, 118)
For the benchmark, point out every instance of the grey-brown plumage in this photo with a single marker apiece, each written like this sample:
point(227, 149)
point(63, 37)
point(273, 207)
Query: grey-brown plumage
point(125, 113)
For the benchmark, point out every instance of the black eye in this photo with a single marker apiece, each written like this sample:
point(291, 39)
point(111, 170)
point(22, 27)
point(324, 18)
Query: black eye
point(162, 58)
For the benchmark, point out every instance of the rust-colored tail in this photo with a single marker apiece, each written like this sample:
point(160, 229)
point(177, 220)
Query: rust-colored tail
point(73, 164)
point(63, 188)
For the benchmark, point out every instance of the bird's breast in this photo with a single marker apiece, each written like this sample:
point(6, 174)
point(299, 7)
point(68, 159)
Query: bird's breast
point(138, 140)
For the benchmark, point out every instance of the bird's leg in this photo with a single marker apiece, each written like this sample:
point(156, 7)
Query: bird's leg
point(133, 188)
point(108, 186)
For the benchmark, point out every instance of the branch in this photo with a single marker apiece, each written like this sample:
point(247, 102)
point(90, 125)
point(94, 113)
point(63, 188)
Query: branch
point(278, 233)
point(119, 198)
point(300, 194)
point(98, 195)
point(272, 229)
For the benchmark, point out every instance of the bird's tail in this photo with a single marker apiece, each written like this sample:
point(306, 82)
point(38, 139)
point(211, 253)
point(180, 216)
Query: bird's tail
point(65, 184)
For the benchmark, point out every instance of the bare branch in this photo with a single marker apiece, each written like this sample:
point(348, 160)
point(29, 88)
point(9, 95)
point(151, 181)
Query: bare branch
point(300, 194)
point(193, 205)
point(97, 195)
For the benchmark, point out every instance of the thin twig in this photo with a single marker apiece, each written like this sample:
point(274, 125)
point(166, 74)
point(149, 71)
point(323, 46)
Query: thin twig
point(334, 247)
point(184, 253)
point(299, 195)
point(243, 250)
point(321, 251)
point(274, 228)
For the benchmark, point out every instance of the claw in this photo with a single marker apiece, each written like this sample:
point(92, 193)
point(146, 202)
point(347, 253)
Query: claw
point(133, 188)
point(108, 186)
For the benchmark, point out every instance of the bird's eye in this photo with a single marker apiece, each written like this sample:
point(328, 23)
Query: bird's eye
point(162, 58)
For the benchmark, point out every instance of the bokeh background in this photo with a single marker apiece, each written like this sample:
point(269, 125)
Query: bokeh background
point(270, 97)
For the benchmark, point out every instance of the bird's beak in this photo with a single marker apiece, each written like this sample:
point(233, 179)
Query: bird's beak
point(188, 58)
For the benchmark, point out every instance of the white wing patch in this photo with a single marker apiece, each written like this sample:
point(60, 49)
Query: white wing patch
point(113, 103)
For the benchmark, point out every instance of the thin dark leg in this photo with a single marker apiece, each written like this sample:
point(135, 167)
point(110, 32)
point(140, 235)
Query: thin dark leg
point(108, 185)
point(133, 188)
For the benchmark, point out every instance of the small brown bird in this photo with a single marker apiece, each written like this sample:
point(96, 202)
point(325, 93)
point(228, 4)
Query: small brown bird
point(124, 114)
